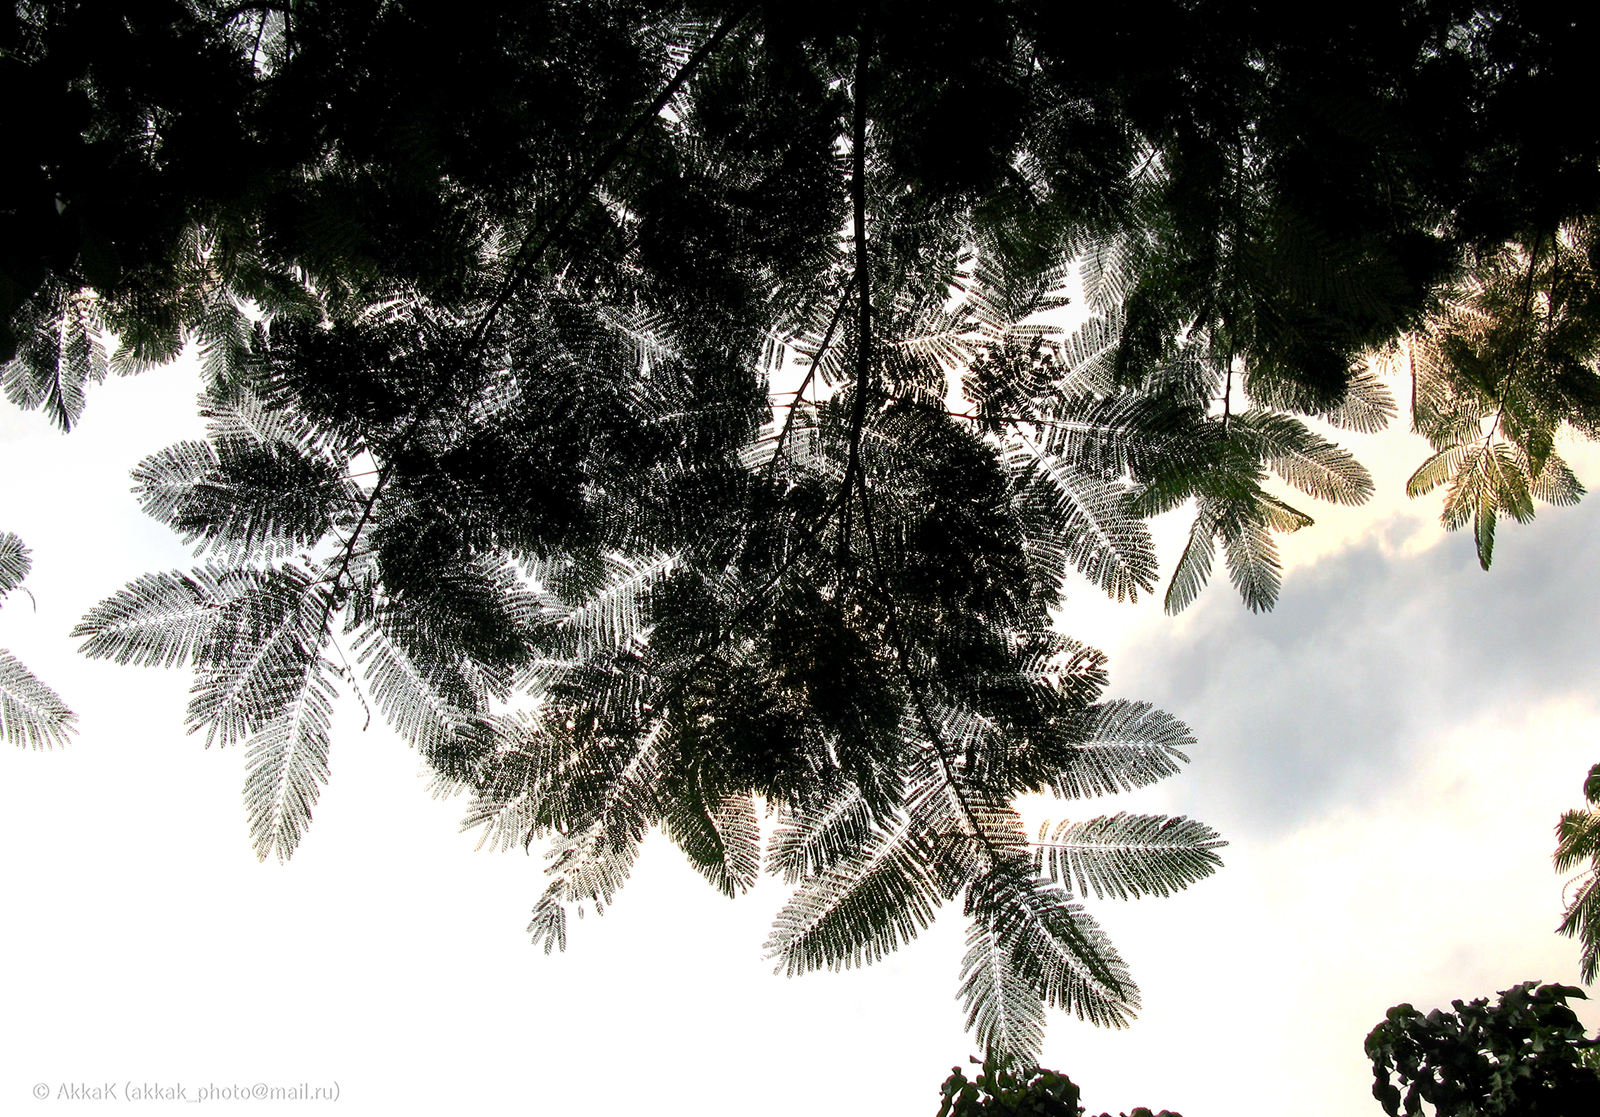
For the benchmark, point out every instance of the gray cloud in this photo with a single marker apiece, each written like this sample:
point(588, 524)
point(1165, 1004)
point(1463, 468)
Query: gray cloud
point(1322, 702)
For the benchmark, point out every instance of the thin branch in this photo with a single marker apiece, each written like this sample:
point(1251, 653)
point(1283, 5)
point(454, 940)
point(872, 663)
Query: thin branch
point(827, 340)
point(858, 202)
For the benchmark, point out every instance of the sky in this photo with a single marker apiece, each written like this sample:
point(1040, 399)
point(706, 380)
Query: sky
point(1387, 754)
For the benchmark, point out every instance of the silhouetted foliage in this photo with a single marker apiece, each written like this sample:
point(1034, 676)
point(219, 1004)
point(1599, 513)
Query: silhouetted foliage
point(1525, 1055)
point(656, 410)
point(1003, 1087)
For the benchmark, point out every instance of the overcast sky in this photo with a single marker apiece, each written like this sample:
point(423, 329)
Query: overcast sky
point(1387, 753)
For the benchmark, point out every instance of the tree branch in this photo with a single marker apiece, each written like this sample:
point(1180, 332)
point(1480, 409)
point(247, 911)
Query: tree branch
point(858, 202)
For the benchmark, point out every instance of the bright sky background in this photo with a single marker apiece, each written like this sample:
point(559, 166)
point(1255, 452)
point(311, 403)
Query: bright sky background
point(1387, 754)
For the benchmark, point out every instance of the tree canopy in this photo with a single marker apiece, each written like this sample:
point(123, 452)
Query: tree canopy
point(656, 410)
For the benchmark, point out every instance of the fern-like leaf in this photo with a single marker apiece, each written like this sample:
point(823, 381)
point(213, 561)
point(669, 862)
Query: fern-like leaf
point(722, 840)
point(1193, 571)
point(287, 763)
point(30, 712)
point(857, 911)
point(427, 708)
point(1004, 1011)
point(15, 562)
point(1087, 521)
point(1127, 855)
point(258, 678)
point(1125, 745)
point(1055, 946)
point(169, 619)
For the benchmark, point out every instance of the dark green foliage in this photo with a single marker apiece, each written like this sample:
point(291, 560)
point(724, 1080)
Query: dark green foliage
point(1524, 1056)
point(1002, 1086)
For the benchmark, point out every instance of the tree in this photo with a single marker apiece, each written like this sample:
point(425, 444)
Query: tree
point(492, 336)
point(1577, 840)
point(1524, 1056)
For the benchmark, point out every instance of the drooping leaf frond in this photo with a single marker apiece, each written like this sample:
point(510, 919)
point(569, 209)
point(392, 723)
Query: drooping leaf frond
point(722, 840)
point(1194, 564)
point(1005, 1013)
point(260, 676)
point(1055, 947)
point(856, 911)
point(287, 763)
point(1253, 563)
point(1307, 461)
point(1089, 522)
point(30, 712)
point(807, 842)
point(427, 707)
point(170, 619)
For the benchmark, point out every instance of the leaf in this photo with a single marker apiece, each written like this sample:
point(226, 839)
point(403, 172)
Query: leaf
point(1435, 471)
point(30, 712)
point(1189, 577)
point(1253, 563)
point(856, 911)
point(722, 840)
point(807, 842)
point(1125, 745)
point(287, 765)
point(169, 619)
point(1004, 1011)
point(257, 677)
point(261, 501)
point(1054, 946)
point(1086, 521)
point(164, 481)
point(1556, 484)
point(15, 562)
point(1127, 855)
point(1307, 461)
point(611, 615)
point(429, 708)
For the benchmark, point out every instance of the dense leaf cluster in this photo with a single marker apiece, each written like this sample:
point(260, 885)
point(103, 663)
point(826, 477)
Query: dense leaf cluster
point(659, 411)
point(1004, 1087)
point(1523, 1056)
